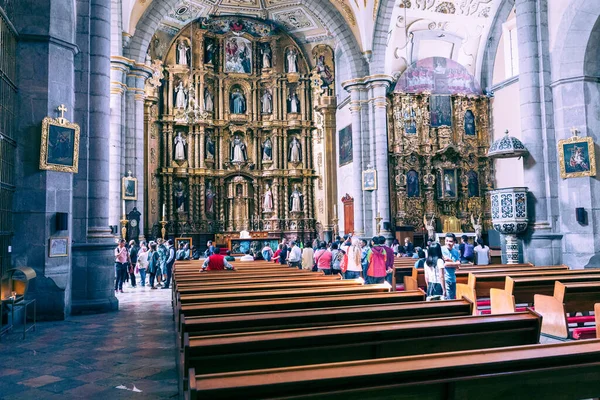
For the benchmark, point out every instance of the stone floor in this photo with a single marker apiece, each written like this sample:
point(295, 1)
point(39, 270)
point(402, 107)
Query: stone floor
point(96, 356)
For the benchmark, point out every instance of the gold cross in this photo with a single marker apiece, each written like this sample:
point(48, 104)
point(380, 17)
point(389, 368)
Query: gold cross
point(574, 131)
point(62, 109)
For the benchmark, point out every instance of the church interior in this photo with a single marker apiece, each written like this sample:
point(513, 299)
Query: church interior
point(338, 145)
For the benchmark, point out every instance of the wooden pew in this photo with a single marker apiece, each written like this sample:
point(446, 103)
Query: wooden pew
point(292, 319)
point(556, 371)
point(567, 298)
point(294, 347)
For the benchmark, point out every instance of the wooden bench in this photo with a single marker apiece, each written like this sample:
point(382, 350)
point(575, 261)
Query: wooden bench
point(302, 318)
point(556, 371)
point(568, 298)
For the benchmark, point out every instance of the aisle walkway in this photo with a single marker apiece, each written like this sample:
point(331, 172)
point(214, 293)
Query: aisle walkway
point(90, 356)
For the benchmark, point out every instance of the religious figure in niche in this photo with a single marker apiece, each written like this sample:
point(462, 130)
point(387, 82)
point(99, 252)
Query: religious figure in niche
point(180, 98)
point(265, 51)
point(469, 123)
point(210, 51)
point(266, 102)
point(179, 191)
point(292, 62)
point(180, 144)
point(209, 104)
point(268, 200)
point(296, 200)
point(238, 150)
point(238, 102)
point(183, 53)
point(412, 183)
point(441, 111)
point(295, 151)
point(449, 183)
point(267, 154)
point(293, 103)
point(410, 121)
point(210, 200)
point(210, 148)
point(324, 72)
point(473, 185)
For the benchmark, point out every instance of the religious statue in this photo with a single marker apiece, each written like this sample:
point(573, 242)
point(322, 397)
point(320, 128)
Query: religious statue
point(180, 99)
point(473, 184)
point(238, 102)
point(430, 226)
point(324, 71)
point(267, 154)
point(238, 150)
point(180, 144)
point(268, 200)
point(296, 200)
point(210, 200)
point(179, 196)
point(292, 64)
point(477, 226)
point(182, 53)
point(469, 123)
point(210, 51)
point(210, 148)
point(295, 151)
point(209, 105)
point(293, 103)
point(412, 183)
point(266, 102)
point(266, 56)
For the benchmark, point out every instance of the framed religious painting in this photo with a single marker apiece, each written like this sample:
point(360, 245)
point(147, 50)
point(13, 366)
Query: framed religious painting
point(238, 55)
point(60, 145)
point(185, 241)
point(440, 108)
point(449, 184)
point(129, 188)
point(577, 157)
point(345, 146)
point(369, 179)
point(58, 247)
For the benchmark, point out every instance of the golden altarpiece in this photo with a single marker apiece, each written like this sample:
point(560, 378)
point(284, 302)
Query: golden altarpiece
point(438, 141)
point(229, 131)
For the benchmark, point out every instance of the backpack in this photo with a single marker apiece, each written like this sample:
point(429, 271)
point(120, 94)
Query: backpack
point(337, 260)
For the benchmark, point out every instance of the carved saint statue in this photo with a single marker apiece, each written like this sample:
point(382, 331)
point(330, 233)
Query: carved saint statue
point(295, 151)
point(296, 200)
point(180, 100)
point(209, 105)
point(179, 191)
point(210, 200)
point(182, 53)
point(430, 226)
point(210, 148)
point(268, 200)
point(266, 102)
point(267, 154)
point(238, 150)
point(292, 64)
point(238, 102)
point(180, 144)
point(293, 103)
point(477, 226)
point(266, 56)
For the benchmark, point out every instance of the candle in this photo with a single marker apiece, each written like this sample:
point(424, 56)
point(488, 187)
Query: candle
point(335, 209)
point(123, 208)
point(164, 211)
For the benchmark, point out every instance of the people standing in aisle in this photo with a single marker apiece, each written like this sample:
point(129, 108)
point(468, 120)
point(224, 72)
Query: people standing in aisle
point(389, 260)
point(336, 259)
point(433, 272)
point(133, 256)
point(451, 264)
point(307, 257)
point(277, 256)
point(121, 265)
point(295, 256)
point(482, 253)
point(142, 263)
point(283, 254)
point(376, 258)
point(267, 252)
point(169, 263)
point(354, 253)
point(153, 263)
point(161, 271)
point(323, 259)
point(364, 262)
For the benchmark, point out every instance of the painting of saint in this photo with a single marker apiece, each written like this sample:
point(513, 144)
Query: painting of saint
point(209, 51)
point(61, 144)
point(210, 200)
point(579, 159)
point(238, 55)
point(449, 183)
point(577, 156)
point(412, 184)
point(410, 121)
point(440, 111)
point(345, 145)
point(469, 123)
point(473, 185)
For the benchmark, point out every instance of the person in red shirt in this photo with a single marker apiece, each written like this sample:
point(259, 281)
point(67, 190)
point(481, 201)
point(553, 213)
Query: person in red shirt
point(216, 262)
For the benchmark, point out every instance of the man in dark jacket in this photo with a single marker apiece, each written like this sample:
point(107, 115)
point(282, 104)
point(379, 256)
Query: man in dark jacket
point(170, 262)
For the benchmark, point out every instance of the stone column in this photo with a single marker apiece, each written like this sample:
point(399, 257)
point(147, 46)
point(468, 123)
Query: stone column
point(357, 159)
point(379, 86)
point(117, 105)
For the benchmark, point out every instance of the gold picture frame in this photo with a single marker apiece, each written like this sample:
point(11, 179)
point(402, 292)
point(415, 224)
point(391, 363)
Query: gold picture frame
point(577, 157)
point(59, 149)
point(58, 247)
point(129, 188)
point(369, 179)
point(183, 240)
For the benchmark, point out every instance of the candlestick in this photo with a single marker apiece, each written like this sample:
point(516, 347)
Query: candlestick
point(164, 211)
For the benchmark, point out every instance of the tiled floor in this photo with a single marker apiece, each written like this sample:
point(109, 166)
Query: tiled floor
point(96, 356)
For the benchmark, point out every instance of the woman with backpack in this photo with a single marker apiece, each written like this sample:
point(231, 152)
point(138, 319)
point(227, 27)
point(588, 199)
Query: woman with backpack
point(336, 259)
point(433, 275)
point(377, 263)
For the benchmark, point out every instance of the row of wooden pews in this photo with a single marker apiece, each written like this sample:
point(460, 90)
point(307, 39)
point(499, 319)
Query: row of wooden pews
point(266, 331)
